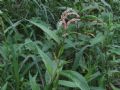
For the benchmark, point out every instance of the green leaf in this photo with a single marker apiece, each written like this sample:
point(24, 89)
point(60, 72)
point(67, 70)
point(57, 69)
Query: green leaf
point(1, 12)
point(33, 84)
point(115, 51)
point(61, 51)
point(49, 64)
point(77, 78)
point(78, 58)
point(67, 84)
point(4, 86)
point(116, 61)
point(99, 38)
point(105, 3)
point(113, 87)
point(13, 26)
point(46, 29)
point(97, 88)
point(93, 76)
point(91, 7)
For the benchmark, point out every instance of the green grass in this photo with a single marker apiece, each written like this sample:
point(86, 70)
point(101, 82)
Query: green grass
point(37, 52)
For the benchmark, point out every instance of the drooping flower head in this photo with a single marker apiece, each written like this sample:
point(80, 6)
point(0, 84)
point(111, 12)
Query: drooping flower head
point(65, 21)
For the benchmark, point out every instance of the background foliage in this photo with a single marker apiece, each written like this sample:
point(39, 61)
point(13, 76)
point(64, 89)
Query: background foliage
point(35, 54)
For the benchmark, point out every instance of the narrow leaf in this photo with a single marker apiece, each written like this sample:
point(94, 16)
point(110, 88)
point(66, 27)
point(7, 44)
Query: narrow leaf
point(33, 84)
point(67, 83)
point(46, 29)
point(77, 78)
point(99, 38)
point(4, 87)
point(47, 61)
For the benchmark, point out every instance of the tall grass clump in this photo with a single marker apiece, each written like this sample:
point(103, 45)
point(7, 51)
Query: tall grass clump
point(59, 45)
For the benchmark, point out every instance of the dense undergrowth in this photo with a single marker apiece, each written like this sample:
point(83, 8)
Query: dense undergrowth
point(59, 45)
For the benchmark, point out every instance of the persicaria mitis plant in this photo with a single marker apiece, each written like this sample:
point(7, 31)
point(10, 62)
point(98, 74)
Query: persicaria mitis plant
point(35, 56)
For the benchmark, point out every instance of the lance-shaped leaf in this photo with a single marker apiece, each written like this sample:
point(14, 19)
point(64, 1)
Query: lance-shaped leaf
point(46, 29)
point(77, 78)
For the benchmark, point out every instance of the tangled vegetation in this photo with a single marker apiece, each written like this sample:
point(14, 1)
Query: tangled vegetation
point(59, 44)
